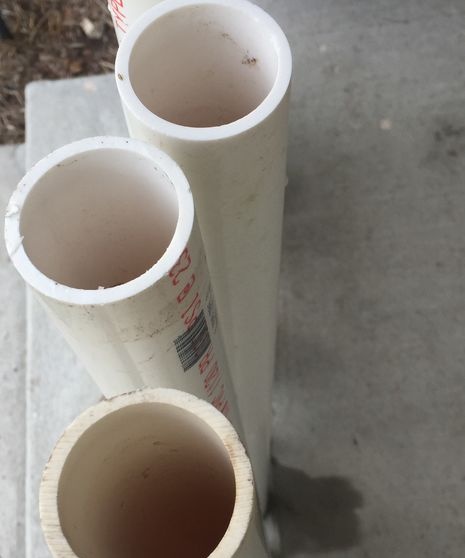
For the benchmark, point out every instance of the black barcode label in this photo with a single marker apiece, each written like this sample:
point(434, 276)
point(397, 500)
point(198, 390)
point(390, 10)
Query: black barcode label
point(193, 343)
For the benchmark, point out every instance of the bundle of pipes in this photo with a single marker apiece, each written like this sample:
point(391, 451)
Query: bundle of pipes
point(104, 232)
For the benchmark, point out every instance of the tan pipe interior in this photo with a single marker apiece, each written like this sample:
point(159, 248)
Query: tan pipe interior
point(149, 480)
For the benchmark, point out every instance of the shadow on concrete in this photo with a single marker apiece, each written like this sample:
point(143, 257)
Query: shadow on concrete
point(314, 514)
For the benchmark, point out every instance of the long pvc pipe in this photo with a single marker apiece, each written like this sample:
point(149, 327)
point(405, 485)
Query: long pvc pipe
point(208, 81)
point(152, 473)
point(125, 12)
point(104, 232)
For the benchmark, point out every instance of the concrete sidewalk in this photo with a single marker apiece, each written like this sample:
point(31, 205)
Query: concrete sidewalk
point(12, 374)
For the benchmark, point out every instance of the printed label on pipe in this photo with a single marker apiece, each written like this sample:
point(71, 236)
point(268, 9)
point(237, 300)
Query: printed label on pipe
point(194, 347)
point(117, 10)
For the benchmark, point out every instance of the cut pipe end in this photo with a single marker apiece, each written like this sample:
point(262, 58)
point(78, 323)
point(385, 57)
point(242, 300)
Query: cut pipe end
point(99, 220)
point(154, 472)
point(203, 69)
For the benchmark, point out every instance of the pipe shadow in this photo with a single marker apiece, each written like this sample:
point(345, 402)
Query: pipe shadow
point(313, 514)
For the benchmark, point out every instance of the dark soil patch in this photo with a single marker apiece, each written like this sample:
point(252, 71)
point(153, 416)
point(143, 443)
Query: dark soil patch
point(48, 42)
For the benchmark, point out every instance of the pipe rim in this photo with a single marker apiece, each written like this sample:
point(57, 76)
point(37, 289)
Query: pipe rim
point(211, 417)
point(187, 133)
point(75, 296)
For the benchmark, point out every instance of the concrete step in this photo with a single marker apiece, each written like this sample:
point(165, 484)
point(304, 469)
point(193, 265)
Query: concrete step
point(12, 375)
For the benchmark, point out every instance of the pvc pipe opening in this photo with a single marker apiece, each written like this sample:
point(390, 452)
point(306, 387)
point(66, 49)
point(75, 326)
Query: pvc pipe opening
point(221, 70)
point(101, 213)
point(99, 220)
point(147, 480)
point(203, 64)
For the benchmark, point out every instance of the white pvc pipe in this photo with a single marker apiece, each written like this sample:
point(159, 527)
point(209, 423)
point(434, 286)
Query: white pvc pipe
point(104, 232)
point(152, 473)
point(125, 12)
point(208, 81)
